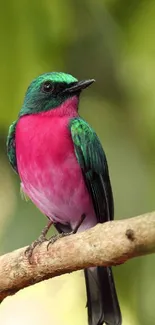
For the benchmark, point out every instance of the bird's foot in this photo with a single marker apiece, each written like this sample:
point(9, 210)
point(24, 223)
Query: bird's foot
point(54, 238)
point(29, 250)
point(41, 239)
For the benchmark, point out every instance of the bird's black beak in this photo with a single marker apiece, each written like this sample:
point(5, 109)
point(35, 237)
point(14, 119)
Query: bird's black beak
point(78, 86)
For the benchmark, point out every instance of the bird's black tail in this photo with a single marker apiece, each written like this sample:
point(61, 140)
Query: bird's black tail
point(102, 302)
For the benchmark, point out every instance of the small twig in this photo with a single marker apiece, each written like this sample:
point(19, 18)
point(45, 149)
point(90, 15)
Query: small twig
point(106, 244)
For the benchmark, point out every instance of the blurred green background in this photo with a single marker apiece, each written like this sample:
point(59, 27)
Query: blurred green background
point(112, 41)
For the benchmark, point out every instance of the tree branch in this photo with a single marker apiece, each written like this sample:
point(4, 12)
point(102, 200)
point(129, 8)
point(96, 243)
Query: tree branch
point(106, 244)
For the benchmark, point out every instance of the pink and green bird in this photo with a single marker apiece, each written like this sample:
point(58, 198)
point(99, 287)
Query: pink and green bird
point(63, 170)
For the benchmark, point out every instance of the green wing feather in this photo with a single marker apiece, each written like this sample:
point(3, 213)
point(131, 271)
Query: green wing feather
point(11, 152)
point(92, 159)
point(102, 302)
point(11, 146)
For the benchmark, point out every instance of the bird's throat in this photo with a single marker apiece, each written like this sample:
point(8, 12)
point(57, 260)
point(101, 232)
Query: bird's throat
point(68, 108)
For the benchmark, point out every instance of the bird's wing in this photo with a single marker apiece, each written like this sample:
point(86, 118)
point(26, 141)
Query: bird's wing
point(11, 146)
point(92, 160)
point(102, 302)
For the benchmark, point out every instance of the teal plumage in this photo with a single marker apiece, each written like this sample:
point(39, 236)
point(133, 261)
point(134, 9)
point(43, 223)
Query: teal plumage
point(37, 101)
point(92, 160)
point(11, 146)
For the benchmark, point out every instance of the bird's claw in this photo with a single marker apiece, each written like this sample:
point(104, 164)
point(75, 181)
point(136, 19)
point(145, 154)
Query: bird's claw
point(54, 238)
point(29, 250)
point(41, 239)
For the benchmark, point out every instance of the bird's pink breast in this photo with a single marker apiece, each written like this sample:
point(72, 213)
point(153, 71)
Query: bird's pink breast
point(49, 171)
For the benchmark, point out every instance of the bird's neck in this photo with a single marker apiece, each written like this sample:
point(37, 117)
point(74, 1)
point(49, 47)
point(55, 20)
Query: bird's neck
point(68, 108)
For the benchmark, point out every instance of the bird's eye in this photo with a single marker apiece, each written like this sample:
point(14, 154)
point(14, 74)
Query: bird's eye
point(47, 87)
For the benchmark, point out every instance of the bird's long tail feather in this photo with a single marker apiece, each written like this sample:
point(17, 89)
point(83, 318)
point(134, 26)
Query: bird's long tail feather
point(102, 302)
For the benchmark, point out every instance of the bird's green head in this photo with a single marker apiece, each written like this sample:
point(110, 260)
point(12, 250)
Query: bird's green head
point(50, 90)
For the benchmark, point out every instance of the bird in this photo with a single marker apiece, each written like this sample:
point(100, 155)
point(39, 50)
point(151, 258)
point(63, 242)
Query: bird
point(63, 170)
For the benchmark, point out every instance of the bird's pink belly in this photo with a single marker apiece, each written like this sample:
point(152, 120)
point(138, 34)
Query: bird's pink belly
point(59, 192)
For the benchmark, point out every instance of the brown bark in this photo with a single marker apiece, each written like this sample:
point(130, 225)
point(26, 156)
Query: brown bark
point(106, 244)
